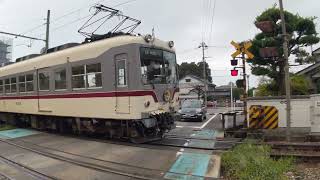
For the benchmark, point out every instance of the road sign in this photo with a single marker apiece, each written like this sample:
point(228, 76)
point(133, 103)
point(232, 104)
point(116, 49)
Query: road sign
point(242, 48)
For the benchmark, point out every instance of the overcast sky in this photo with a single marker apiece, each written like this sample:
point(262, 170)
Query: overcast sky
point(186, 22)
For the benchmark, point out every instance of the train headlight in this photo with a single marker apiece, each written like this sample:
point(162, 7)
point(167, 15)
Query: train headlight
point(166, 96)
point(171, 44)
point(147, 104)
point(148, 38)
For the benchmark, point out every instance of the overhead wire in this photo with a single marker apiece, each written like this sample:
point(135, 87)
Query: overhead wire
point(75, 11)
point(203, 19)
point(84, 17)
point(59, 18)
point(212, 20)
point(33, 29)
point(208, 13)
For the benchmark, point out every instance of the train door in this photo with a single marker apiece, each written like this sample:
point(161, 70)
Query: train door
point(121, 84)
point(43, 88)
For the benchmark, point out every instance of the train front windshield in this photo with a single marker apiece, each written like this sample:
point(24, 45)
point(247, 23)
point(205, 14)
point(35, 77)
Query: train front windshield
point(158, 66)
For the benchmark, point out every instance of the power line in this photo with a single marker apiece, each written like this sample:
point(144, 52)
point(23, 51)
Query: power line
point(60, 17)
point(82, 18)
point(207, 16)
point(212, 18)
point(75, 11)
point(203, 19)
point(33, 29)
point(127, 2)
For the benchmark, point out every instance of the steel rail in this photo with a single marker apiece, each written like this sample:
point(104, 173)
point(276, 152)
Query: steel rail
point(26, 169)
point(77, 162)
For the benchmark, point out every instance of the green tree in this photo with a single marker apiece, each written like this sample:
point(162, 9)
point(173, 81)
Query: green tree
point(250, 92)
point(194, 69)
point(302, 33)
point(299, 86)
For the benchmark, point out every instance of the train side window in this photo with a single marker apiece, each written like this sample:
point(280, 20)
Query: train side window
point(29, 82)
point(7, 86)
point(13, 85)
point(121, 73)
point(78, 77)
point(1, 86)
point(44, 81)
point(93, 75)
point(22, 84)
point(60, 79)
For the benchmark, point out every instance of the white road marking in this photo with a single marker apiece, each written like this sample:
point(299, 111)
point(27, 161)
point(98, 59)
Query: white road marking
point(200, 127)
point(204, 125)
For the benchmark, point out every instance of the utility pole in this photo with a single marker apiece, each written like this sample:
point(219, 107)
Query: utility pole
point(34, 38)
point(204, 46)
point(47, 30)
point(286, 71)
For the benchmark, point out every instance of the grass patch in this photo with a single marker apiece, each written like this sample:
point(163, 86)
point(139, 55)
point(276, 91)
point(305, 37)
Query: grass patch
point(248, 161)
point(6, 127)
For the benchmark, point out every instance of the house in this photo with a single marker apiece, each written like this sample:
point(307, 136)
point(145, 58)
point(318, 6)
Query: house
point(222, 94)
point(191, 87)
point(312, 73)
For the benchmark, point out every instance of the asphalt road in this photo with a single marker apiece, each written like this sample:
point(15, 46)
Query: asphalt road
point(213, 122)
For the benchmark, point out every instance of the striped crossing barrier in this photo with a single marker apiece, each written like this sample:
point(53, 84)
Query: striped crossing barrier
point(263, 117)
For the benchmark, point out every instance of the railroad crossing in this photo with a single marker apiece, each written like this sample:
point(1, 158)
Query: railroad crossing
point(133, 99)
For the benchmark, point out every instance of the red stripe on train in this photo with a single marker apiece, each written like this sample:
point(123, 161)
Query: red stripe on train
point(87, 95)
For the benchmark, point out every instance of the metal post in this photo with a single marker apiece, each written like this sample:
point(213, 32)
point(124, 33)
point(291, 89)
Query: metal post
point(203, 46)
point(47, 30)
point(245, 95)
point(286, 70)
point(248, 79)
point(231, 96)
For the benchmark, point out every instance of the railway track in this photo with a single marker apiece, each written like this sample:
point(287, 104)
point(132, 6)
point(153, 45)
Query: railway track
point(194, 143)
point(5, 177)
point(300, 151)
point(167, 143)
point(130, 171)
point(24, 169)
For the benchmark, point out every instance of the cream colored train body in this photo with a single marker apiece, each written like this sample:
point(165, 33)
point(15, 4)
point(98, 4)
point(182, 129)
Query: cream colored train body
point(125, 86)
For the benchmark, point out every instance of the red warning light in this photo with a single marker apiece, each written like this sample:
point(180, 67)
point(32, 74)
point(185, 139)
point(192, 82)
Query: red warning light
point(234, 72)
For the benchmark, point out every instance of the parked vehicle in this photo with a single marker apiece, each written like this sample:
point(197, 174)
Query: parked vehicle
point(210, 104)
point(192, 110)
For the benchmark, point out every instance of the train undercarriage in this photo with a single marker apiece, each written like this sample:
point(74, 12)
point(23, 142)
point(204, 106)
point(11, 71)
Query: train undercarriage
point(136, 131)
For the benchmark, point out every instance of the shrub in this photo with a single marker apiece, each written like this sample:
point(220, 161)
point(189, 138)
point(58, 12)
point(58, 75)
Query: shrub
point(248, 161)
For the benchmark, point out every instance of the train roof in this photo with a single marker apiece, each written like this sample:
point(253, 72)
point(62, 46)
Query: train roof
point(76, 53)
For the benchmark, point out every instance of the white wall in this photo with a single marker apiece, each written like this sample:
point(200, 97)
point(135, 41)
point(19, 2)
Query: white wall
point(315, 111)
point(186, 87)
point(300, 113)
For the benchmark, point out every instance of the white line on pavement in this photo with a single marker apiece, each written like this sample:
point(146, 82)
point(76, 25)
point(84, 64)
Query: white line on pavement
point(200, 127)
point(204, 125)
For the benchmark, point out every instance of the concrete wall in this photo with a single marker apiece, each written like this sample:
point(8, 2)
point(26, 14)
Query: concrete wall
point(315, 113)
point(300, 105)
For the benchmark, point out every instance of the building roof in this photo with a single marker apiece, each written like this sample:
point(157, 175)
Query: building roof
point(312, 66)
point(308, 69)
point(199, 79)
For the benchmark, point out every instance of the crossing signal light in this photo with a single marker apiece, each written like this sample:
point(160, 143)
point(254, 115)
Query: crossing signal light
point(234, 72)
point(234, 62)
